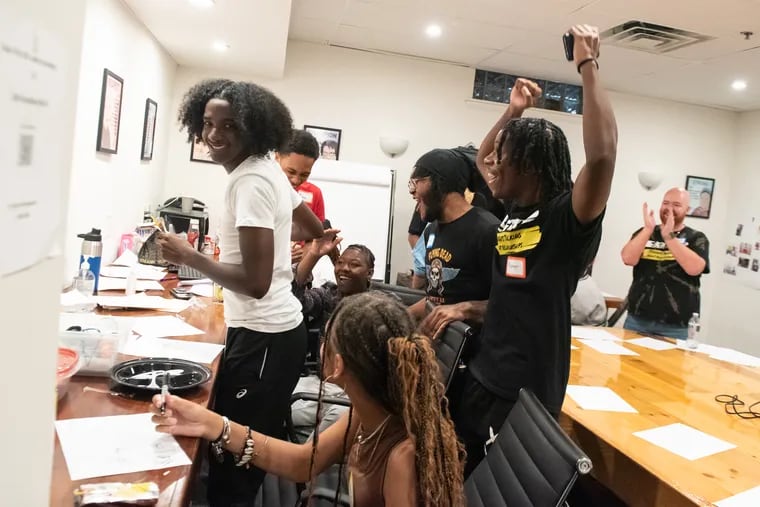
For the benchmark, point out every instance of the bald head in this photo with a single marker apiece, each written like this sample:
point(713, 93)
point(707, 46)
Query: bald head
point(675, 202)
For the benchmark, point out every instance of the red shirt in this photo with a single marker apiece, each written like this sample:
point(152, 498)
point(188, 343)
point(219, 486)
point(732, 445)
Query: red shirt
point(312, 196)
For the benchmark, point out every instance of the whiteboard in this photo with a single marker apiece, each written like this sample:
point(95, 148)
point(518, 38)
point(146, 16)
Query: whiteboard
point(359, 201)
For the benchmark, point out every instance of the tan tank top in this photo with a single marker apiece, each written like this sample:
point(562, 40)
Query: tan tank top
point(367, 463)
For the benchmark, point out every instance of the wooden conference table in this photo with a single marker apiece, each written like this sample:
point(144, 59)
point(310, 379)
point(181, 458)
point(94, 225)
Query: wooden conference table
point(175, 483)
point(665, 387)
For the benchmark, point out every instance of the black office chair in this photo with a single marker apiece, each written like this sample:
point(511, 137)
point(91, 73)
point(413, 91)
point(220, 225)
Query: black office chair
point(532, 462)
point(405, 294)
point(448, 349)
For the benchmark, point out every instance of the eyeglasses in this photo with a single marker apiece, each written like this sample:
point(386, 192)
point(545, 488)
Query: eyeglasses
point(413, 183)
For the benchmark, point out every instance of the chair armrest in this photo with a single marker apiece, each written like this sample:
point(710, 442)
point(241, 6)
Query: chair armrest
point(330, 400)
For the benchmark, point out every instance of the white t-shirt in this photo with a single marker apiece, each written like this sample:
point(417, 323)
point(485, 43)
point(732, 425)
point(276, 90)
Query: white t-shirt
point(259, 195)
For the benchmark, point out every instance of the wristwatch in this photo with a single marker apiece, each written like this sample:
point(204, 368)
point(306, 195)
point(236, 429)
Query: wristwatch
point(673, 235)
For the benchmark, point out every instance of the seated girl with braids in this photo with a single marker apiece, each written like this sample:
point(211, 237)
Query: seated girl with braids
point(398, 436)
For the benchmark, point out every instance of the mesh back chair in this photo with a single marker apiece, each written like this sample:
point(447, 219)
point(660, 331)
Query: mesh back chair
point(405, 294)
point(532, 462)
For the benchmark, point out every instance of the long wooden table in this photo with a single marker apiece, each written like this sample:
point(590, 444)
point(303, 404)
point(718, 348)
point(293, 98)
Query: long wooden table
point(175, 483)
point(665, 387)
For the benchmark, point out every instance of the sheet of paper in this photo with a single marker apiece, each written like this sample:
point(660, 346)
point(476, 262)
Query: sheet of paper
point(749, 498)
point(141, 272)
point(592, 333)
point(685, 441)
point(102, 446)
point(608, 347)
point(652, 343)
point(598, 398)
point(702, 347)
point(200, 281)
point(144, 302)
point(128, 259)
point(37, 67)
point(204, 290)
point(736, 357)
point(573, 347)
point(74, 300)
point(106, 283)
point(164, 325)
point(175, 349)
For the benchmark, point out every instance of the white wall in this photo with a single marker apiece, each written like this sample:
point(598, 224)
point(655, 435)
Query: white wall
point(369, 95)
point(30, 298)
point(737, 304)
point(110, 191)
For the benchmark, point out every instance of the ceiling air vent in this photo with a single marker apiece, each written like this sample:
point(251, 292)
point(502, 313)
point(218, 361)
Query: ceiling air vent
point(656, 39)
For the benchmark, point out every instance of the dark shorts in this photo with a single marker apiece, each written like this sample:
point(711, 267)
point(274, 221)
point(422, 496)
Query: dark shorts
point(256, 378)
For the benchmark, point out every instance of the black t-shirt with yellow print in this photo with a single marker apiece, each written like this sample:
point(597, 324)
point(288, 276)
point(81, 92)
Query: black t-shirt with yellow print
point(661, 290)
point(541, 253)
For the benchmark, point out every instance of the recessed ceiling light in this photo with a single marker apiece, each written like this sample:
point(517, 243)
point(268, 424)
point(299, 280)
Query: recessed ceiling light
point(433, 31)
point(220, 46)
point(739, 85)
point(204, 4)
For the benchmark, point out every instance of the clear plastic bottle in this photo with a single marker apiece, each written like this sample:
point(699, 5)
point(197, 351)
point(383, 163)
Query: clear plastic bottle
point(692, 341)
point(85, 279)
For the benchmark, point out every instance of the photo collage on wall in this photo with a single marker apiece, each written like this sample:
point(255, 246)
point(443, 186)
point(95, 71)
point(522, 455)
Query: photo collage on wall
point(742, 259)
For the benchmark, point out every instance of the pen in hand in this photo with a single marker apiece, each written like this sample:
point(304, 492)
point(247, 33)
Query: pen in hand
point(164, 392)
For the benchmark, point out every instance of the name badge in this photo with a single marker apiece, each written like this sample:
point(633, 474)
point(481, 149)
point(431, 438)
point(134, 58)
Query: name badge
point(431, 240)
point(516, 267)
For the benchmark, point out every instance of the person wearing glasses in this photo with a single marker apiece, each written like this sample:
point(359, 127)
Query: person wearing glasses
point(458, 242)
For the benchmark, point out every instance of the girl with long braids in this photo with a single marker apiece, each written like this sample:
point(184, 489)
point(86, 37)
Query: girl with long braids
point(398, 439)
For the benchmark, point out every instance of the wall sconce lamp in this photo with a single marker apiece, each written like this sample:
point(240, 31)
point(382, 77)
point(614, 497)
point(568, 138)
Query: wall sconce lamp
point(393, 146)
point(649, 180)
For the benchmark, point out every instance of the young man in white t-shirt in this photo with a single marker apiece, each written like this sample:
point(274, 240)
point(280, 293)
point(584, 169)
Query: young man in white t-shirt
point(241, 123)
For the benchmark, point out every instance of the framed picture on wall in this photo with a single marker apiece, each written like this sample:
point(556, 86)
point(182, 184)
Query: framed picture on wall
point(328, 139)
point(110, 112)
point(701, 192)
point(199, 152)
point(149, 129)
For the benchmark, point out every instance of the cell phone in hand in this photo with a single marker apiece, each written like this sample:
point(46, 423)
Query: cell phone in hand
point(568, 41)
point(180, 293)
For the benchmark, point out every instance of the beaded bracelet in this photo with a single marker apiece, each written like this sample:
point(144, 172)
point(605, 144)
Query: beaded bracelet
point(246, 455)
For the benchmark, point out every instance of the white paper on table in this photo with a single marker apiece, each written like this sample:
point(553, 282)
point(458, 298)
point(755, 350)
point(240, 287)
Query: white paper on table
point(749, 498)
point(702, 347)
point(128, 259)
point(573, 347)
point(684, 441)
point(106, 283)
point(141, 272)
point(176, 349)
point(608, 347)
point(74, 299)
point(204, 290)
point(143, 302)
point(736, 357)
point(598, 398)
point(592, 333)
point(164, 325)
point(199, 281)
point(101, 446)
point(652, 343)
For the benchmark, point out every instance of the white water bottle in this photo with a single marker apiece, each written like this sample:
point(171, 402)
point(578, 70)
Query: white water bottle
point(131, 287)
point(692, 342)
